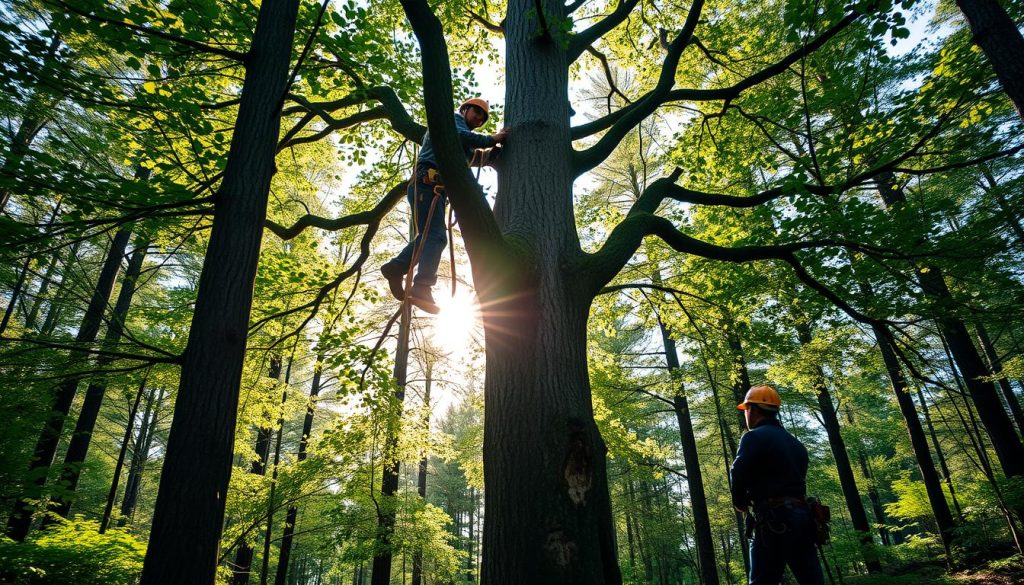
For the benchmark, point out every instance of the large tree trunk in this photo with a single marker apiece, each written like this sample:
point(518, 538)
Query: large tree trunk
point(46, 446)
point(1000, 39)
point(189, 513)
point(82, 436)
point(695, 481)
point(548, 509)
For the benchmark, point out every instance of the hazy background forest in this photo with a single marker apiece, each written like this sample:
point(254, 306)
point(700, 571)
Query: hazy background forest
point(876, 130)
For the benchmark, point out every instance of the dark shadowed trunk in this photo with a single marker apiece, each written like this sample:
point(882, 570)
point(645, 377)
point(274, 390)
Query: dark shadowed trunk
point(694, 479)
point(288, 533)
point(82, 435)
point(46, 446)
point(854, 504)
point(1000, 39)
point(1005, 440)
point(995, 365)
point(189, 513)
point(381, 574)
point(122, 453)
point(140, 455)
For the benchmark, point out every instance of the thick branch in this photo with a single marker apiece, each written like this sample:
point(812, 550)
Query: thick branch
point(391, 106)
point(725, 93)
point(585, 160)
point(364, 218)
point(581, 41)
point(480, 231)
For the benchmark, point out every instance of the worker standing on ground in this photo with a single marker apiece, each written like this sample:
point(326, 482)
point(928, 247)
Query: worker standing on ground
point(770, 472)
point(472, 114)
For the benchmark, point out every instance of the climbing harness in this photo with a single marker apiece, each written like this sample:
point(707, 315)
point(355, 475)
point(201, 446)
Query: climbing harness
point(433, 177)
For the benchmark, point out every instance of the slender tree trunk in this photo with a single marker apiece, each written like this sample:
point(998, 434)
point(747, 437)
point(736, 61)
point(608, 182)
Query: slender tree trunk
point(421, 478)
point(740, 385)
point(854, 504)
point(873, 497)
point(19, 284)
point(242, 567)
point(189, 513)
point(122, 453)
point(288, 533)
point(382, 558)
point(57, 303)
point(79, 446)
point(46, 446)
point(996, 367)
point(1005, 440)
point(271, 506)
point(939, 456)
point(38, 110)
point(1000, 39)
point(140, 456)
point(44, 287)
point(695, 481)
point(1009, 214)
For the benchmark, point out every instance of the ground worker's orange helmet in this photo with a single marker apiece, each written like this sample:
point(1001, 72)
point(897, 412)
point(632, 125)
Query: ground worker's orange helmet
point(480, 103)
point(761, 395)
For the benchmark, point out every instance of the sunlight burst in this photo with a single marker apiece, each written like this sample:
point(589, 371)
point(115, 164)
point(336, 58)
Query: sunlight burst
point(458, 322)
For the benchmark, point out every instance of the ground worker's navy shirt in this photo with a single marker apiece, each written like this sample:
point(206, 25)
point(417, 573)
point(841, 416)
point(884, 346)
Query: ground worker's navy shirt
point(470, 141)
point(770, 463)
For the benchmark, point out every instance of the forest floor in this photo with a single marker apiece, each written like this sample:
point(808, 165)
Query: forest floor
point(1009, 571)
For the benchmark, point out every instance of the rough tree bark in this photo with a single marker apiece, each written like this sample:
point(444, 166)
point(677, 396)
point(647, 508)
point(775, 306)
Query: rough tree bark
point(189, 513)
point(998, 36)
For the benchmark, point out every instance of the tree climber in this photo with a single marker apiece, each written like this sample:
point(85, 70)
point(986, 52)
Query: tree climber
point(425, 183)
point(770, 471)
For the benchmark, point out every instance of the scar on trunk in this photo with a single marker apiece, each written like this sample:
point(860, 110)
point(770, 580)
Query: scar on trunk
point(561, 551)
point(578, 468)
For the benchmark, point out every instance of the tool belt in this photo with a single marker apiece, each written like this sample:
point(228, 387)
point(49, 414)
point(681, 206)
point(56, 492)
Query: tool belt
point(780, 501)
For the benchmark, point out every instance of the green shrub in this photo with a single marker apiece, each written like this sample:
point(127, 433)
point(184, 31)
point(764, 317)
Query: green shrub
point(73, 552)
